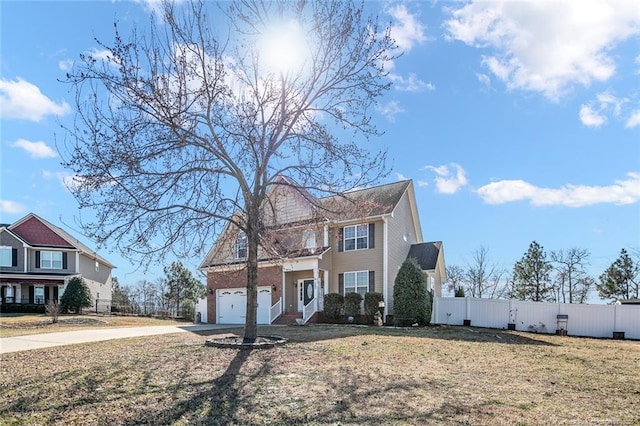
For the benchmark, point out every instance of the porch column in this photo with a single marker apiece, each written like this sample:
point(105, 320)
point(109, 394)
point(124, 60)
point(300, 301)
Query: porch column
point(283, 308)
point(17, 294)
point(316, 287)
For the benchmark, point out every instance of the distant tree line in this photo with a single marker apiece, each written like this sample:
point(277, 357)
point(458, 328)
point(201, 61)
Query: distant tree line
point(560, 277)
point(175, 294)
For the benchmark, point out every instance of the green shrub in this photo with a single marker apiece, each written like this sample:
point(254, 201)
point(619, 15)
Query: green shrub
point(333, 305)
point(411, 301)
point(22, 308)
point(371, 302)
point(352, 304)
point(459, 292)
point(76, 296)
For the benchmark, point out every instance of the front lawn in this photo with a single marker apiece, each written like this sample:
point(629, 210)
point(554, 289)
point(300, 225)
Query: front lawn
point(329, 375)
point(12, 325)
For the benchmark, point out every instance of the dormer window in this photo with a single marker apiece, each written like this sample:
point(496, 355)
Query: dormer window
point(309, 239)
point(240, 247)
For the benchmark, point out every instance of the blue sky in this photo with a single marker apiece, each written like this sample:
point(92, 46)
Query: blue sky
point(517, 121)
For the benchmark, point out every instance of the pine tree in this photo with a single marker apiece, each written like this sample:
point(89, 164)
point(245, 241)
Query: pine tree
point(531, 279)
point(619, 280)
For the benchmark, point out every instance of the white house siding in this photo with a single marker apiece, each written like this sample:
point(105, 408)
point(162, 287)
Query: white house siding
point(400, 226)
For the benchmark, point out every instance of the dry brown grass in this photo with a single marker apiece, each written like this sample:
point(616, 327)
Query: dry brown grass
point(12, 325)
point(329, 375)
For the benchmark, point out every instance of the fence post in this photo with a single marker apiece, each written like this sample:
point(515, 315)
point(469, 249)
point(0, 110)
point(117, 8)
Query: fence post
point(434, 312)
point(467, 320)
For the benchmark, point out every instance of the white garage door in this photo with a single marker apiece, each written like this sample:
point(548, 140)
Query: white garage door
point(232, 305)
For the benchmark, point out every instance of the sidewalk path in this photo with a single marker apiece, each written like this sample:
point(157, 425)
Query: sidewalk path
point(46, 340)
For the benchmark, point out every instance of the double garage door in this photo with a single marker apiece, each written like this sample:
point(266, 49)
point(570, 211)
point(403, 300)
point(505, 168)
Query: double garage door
point(231, 305)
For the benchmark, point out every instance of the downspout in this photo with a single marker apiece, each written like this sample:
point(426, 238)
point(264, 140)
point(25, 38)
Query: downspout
point(385, 264)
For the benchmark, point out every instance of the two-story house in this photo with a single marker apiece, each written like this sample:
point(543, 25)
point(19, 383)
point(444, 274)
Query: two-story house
point(315, 246)
point(37, 259)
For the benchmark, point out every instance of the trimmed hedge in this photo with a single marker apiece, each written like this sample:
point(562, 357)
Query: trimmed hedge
point(352, 304)
point(371, 302)
point(22, 308)
point(333, 306)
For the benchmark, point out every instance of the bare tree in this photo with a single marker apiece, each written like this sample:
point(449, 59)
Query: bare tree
point(455, 278)
point(484, 278)
point(147, 296)
point(182, 130)
point(572, 282)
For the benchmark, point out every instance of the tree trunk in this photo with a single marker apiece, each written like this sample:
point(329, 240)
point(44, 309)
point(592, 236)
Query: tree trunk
point(251, 323)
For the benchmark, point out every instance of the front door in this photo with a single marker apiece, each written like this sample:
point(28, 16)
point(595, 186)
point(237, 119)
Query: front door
point(305, 293)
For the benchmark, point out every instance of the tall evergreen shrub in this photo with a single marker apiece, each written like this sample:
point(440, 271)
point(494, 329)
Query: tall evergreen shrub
point(411, 299)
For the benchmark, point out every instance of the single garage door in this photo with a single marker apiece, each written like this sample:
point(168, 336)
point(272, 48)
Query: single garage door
point(232, 305)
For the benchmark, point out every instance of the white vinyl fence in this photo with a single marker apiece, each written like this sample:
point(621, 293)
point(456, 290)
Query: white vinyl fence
point(583, 320)
point(201, 308)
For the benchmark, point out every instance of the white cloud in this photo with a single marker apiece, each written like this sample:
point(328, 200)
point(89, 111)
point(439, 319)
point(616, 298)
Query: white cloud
point(446, 181)
point(22, 100)
point(410, 84)
point(400, 176)
point(407, 30)
point(625, 191)
point(390, 110)
point(423, 183)
point(596, 112)
point(547, 46)
point(11, 207)
point(591, 118)
point(35, 149)
point(634, 120)
point(484, 79)
point(65, 65)
point(67, 180)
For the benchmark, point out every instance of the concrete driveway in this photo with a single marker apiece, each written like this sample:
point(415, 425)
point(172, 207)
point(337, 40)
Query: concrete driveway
point(37, 341)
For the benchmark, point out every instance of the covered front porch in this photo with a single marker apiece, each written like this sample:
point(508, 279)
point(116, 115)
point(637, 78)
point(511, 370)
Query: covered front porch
point(304, 284)
point(30, 291)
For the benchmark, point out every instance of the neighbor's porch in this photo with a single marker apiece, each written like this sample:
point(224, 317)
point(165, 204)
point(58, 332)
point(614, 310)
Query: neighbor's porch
point(34, 292)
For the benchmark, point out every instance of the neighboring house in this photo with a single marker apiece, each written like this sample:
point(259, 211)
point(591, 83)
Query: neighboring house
point(320, 246)
point(37, 259)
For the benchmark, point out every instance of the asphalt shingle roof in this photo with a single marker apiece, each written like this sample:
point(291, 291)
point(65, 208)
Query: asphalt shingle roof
point(426, 254)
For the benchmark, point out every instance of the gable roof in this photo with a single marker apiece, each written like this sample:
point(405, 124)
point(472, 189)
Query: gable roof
point(37, 232)
point(374, 201)
point(426, 254)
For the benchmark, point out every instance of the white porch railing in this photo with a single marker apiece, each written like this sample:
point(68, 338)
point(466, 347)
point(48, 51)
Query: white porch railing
point(309, 309)
point(276, 310)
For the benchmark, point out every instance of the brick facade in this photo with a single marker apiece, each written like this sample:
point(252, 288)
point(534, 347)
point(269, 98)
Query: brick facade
point(267, 276)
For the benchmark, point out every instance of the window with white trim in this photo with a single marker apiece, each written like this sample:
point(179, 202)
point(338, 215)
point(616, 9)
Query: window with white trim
point(356, 282)
point(356, 237)
point(240, 247)
point(51, 259)
point(6, 256)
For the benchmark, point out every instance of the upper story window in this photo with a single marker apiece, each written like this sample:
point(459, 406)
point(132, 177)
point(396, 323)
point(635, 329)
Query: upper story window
point(240, 247)
point(356, 237)
point(8, 256)
point(51, 259)
point(309, 239)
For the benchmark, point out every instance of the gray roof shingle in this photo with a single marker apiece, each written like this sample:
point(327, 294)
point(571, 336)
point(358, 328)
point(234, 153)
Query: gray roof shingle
point(426, 254)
